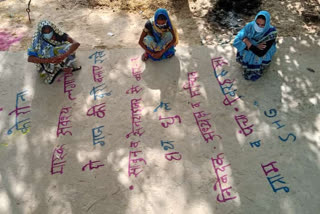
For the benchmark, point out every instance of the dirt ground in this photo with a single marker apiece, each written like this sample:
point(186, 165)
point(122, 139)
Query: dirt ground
point(90, 21)
point(274, 168)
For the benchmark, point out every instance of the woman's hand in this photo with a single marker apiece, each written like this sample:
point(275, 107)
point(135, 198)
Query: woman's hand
point(262, 46)
point(157, 55)
point(247, 42)
point(154, 55)
point(58, 59)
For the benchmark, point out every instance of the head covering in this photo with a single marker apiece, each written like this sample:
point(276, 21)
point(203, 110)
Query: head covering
point(249, 32)
point(158, 31)
point(266, 26)
point(40, 46)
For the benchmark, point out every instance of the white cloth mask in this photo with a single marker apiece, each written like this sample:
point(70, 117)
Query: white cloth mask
point(257, 28)
point(48, 36)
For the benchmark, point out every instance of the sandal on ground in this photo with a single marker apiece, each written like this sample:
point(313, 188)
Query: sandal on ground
point(52, 77)
point(76, 68)
point(71, 69)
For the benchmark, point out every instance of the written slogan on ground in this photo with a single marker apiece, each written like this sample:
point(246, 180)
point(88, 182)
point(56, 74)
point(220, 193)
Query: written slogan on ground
point(188, 128)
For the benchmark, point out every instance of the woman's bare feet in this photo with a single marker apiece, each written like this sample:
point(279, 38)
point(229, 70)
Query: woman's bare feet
point(144, 57)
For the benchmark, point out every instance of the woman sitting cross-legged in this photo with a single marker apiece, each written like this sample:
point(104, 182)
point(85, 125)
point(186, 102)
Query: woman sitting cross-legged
point(52, 51)
point(159, 37)
point(256, 44)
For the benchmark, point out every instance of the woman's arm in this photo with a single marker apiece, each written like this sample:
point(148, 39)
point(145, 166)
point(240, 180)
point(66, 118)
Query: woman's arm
point(34, 59)
point(75, 45)
point(261, 49)
point(238, 41)
point(159, 54)
point(170, 44)
point(58, 59)
point(144, 34)
point(37, 60)
point(247, 42)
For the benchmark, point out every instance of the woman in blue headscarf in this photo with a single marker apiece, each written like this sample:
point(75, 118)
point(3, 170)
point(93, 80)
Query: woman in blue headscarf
point(159, 37)
point(52, 51)
point(256, 44)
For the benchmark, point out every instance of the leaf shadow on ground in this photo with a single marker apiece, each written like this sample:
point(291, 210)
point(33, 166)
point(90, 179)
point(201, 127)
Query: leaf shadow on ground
point(28, 187)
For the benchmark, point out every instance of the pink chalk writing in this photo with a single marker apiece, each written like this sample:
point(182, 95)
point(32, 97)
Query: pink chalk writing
point(134, 144)
point(227, 91)
point(191, 84)
point(202, 122)
point(136, 162)
point(69, 84)
point(134, 90)
point(136, 127)
point(57, 162)
point(242, 121)
point(97, 110)
point(173, 156)
point(218, 62)
point(22, 125)
point(269, 168)
point(272, 168)
point(195, 105)
point(97, 74)
point(134, 165)
point(205, 126)
point(63, 123)
point(91, 165)
point(169, 120)
point(222, 179)
point(136, 68)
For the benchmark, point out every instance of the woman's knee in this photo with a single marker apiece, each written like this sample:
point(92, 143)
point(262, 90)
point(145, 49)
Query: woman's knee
point(149, 41)
point(168, 37)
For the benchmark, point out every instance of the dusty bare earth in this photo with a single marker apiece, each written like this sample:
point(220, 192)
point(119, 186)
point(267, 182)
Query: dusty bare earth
point(91, 21)
point(272, 169)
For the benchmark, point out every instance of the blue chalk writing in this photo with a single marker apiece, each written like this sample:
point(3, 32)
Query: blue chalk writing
point(162, 104)
point(272, 113)
point(96, 56)
point(95, 91)
point(168, 145)
point(17, 111)
point(279, 126)
point(286, 189)
point(287, 138)
point(255, 144)
point(96, 133)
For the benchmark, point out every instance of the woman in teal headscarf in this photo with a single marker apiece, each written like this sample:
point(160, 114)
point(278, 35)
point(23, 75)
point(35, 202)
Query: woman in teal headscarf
point(159, 37)
point(256, 44)
point(52, 51)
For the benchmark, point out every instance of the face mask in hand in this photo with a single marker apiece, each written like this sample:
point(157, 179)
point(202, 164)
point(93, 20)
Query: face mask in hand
point(257, 28)
point(48, 36)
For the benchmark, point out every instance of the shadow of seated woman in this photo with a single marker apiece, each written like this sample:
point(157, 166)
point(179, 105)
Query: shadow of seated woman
point(163, 75)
